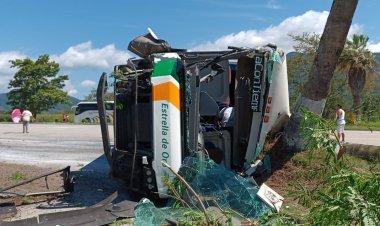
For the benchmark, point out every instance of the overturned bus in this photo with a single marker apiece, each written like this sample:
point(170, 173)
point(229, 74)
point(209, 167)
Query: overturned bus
point(171, 103)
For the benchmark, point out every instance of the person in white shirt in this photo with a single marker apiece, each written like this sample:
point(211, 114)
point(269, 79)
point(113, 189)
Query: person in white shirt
point(340, 114)
point(26, 115)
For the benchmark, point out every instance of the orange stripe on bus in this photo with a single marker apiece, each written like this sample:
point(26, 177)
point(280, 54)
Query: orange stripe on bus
point(167, 91)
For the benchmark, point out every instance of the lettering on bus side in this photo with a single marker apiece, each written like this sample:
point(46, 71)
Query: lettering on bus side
point(257, 83)
point(165, 131)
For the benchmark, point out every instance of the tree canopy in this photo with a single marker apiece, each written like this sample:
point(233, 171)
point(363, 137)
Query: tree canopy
point(36, 85)
point(357, 60)
point(299, 66)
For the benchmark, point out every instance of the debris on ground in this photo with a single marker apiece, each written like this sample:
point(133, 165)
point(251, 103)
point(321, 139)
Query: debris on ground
point(102, 213)
point(234, 196)
point(67, 184)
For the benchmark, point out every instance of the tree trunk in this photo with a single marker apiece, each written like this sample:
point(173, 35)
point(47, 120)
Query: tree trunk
point(356, 81)
point(356, 107)
point(316, 89)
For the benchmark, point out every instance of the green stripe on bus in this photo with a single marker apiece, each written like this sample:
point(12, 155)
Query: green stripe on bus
point(166, 67)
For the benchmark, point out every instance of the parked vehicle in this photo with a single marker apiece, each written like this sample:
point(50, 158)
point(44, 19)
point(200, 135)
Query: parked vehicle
point(87, 112)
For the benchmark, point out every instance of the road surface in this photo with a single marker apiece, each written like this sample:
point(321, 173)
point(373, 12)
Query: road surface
point(363, 137)
point(55, 145)
point(60, 145)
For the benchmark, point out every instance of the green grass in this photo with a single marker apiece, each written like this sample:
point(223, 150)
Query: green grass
point(80, 165)
point(43, 117)
point(122, 222)
point(5, 117)
point(17, 176)
point(364, 125)
point(54, 117)
point(306, 172)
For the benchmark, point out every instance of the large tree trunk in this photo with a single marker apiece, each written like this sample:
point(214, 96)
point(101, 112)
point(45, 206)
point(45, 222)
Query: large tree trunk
point(356, 107)
point(356, 81)
point(316, 89)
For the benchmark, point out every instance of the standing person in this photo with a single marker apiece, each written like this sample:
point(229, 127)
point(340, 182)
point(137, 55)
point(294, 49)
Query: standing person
point(26, 114)
point(65, 118)
point(339, 116)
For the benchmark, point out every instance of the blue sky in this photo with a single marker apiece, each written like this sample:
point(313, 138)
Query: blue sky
point(87, 37)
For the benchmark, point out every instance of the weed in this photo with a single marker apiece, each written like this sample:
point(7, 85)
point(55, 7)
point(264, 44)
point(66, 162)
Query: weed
point(17, 176)
point(277, 219)
point(369, 126)
point(122, 222)
point(347, 197)
point(80, 165)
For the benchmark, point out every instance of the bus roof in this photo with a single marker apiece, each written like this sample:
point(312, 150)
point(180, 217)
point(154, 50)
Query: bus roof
point(93, 102)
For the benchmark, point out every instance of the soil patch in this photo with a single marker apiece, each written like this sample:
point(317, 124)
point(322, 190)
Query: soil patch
point(12, 174)
point(91, 186)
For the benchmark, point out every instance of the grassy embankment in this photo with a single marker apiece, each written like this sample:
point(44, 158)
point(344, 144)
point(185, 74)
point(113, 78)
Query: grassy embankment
point(364, 125)
point(303, 173)
point(42, 118)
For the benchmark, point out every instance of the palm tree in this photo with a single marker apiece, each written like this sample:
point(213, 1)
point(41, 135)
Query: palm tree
point(357, 60)
point(316, 89)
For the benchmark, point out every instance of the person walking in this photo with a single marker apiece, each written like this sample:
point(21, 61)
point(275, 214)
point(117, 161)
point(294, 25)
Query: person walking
point(339, 116)
point(26, 115)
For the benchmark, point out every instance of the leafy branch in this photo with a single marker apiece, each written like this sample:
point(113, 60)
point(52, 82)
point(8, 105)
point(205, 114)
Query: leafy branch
point(348, 198)
point(190, 189)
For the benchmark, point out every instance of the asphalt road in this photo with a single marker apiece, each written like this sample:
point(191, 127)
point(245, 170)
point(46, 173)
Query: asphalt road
point(60, 145)
point(363, 137)
point(55, 145)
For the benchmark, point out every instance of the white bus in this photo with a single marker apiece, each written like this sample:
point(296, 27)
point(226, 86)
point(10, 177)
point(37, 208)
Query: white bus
point(87, 112)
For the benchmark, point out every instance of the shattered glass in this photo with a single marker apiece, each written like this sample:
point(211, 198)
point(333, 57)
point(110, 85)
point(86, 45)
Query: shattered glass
point(215, 185)
point(146, 214)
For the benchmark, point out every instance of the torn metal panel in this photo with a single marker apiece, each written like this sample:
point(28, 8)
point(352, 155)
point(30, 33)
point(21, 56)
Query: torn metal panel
point(26, 222)
point(124, 209)
point(101, 213)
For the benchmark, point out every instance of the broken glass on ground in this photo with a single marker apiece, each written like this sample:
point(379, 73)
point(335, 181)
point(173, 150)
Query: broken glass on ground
point(216, 185)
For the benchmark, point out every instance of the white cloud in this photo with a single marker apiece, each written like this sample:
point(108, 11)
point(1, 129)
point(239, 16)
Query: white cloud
point(88, 83)
point(6, 72)
point(374, 47)
point(84, 55)
point(272, 4)
point(5, 65)
point(70, 88)
point(310, 21)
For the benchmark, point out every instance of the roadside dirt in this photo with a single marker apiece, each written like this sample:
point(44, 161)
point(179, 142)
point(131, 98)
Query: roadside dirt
point(286, 172)
point(91, 186)
point(14, 173)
